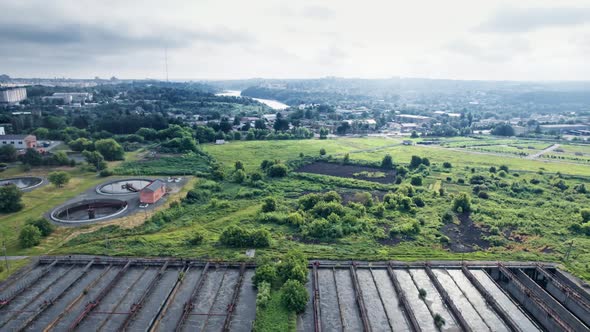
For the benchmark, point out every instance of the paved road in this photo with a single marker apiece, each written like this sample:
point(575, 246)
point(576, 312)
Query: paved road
point(540, 153)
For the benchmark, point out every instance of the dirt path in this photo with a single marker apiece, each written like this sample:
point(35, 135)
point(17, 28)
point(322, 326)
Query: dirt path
point(540, 153)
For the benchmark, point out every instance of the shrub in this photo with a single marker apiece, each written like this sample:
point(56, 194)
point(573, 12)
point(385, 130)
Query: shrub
point(504, 168)
point(502, 174)
point(256, 176)
point(29, 236)
point(59, 179)
point(293, 266)
point(308, 201)
point(10, 199)
point(585, 213)
point(322, 152)
point(43, 225)
point(331, 196)
point(416, 180)
point(439, 321)
point(364, 198)
point(346, 159)
point(415, 162)
point(105, 173)
point(493, 169)
point(324, 209)
point(196, 239)
point(266, 273)
point(239, 176)
point(462, 203)
point(483, 195)
point(387, 162)
point(236, 236)
point(422, 293)
point(447, 164)
point(295, 219)
point(294, 296)
point(447, 217)
point(263, 296)
point(418, 201)
point(277, 171)
point(269, 205)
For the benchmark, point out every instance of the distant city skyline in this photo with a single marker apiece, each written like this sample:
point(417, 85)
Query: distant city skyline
point(211, 40)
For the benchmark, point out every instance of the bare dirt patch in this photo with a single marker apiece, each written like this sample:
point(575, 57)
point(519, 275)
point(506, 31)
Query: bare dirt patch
point(366, 173)
point(465, 236)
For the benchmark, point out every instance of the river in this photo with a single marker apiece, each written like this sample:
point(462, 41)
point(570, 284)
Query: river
point(277, 105)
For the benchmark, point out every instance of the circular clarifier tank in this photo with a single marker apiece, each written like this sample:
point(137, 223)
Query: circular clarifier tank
point(89, 210)
point(123, 187)
point(23, 183)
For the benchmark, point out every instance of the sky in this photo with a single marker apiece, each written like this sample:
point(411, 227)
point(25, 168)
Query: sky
point(230, 39)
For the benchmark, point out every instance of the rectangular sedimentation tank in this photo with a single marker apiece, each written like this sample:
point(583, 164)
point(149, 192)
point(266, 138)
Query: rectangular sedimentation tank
point(87, 293)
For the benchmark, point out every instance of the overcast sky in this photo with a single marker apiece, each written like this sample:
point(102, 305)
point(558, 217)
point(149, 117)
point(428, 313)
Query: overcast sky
point(217, 39)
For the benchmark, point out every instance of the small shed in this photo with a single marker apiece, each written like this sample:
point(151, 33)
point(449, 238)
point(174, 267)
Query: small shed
point(219, 141)
point(153, 192)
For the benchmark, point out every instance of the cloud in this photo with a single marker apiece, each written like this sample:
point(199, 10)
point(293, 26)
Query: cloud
point(317, 12)
point(494, 51)
point(516, 20)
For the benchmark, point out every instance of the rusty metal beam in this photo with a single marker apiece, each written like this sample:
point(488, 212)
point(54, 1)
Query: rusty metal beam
point(317, 316)
point(28, 283)
point(155, 322)
point(406, 308)
point(188, 306)
point(135, 307)
point(77, 299)
point(96, 301)
point(36, 297)
point(359, 300)
point(47, 304)
point(549, 312)
point(234, 299)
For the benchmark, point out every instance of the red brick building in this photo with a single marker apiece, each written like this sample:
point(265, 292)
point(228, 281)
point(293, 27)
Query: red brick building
point(152, 192)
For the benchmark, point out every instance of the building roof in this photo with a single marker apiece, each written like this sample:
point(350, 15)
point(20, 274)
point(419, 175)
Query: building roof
point(155, 185)
point(14, 137)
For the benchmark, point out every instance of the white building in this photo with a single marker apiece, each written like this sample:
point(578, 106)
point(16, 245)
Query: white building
point(73, 97)
point(19, 141)
point(2, 132)
point(12, 96)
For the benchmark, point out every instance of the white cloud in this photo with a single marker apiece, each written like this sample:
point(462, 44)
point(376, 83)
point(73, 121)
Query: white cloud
point(460, 39)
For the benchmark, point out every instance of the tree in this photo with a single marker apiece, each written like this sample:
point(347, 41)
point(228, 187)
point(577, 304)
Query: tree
point(10, 199)
point(44, 226)
point(32, 157)
point(59, 178)
point(462, 203)
point(416, 180)
point(414, 134)
point(277, 171)
point(259, 124)
point(239, 176)
point(61, 158)
point(265, 273)
point(415, 162)
point(269, 205)
point(503, 129)
point(324, 133)
point(109, 149)
point(293, 267)
point(8, 154)
point(294, 296)
point(322, 152)
point(387, 162)
point(81, 144)
point(238, 165)
point(29, 236)
point(95, 159)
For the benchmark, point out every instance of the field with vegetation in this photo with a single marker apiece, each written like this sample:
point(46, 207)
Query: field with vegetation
point(444, 205)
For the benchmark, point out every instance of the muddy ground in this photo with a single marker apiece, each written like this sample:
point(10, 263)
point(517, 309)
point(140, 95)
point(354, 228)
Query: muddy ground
point(348, 171)
point(465, 235)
